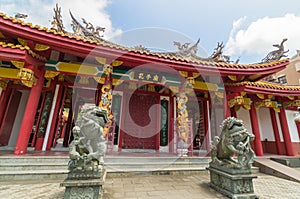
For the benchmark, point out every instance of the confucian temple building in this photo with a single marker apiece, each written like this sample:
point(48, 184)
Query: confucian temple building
point(160, 102)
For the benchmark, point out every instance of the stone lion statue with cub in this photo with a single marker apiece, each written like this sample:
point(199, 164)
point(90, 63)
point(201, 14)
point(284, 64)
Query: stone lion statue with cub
point(232, 149)
point(87, 149)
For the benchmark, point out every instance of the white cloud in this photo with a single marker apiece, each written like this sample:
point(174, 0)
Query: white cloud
point(41, 12)
point(257, 39)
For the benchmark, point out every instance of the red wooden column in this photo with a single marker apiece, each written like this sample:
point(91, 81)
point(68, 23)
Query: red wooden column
point(42, 99)
point(286, 133)
point(276, 132)
point(233, 112)
point(206, 121)
point(227, 112)
point(124, 100)
point(298, 127)
point(158, 119)
point(5, 95)
point(255, 129)
point(29, 114)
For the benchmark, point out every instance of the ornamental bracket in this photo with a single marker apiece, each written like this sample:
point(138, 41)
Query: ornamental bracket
point(27, 77)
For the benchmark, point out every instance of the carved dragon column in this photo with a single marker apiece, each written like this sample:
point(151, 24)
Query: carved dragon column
point(182, 122)
point(106, 90)
point(183, 127)
point(106, 97)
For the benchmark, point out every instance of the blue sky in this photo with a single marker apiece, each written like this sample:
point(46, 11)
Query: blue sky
point(247, 28)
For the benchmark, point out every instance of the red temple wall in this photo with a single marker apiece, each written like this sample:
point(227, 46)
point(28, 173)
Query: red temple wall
point(270, 147)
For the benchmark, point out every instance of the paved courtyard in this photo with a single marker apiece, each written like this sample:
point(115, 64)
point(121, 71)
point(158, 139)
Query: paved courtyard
point(152, 187)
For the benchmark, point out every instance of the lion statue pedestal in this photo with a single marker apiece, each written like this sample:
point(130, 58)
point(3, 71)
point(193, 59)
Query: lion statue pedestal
point(232, 157)
point(86, 173)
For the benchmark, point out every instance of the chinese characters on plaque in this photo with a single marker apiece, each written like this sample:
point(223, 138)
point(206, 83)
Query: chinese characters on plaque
point(148, 76)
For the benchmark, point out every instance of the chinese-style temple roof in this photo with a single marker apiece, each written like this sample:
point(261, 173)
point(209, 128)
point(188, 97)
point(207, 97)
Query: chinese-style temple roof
point(237, 76)
point(84, 46)
point(266, 88)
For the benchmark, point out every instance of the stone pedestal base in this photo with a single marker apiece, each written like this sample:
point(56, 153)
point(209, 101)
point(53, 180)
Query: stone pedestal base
point(236, 185)
point(84, 188)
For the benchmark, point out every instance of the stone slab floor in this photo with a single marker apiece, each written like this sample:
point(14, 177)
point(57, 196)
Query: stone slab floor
point(152, 187)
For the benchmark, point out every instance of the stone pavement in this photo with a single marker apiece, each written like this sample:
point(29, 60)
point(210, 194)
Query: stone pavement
point(152, 187)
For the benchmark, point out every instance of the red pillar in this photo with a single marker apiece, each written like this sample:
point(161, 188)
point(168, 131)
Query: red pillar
point(227, 112)
point(276, 132)
point(233, 112)
point(255, 129)
point(5, 95)
point(55, 118)
point(158, 126)
point(28, 118)
point(206, 120)
point(298, 127)
point(286, 133)
point(38, 121)
point(122, 119)
point(60, 120)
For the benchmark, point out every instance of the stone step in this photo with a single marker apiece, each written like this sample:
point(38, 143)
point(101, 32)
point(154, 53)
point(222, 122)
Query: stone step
point(157, 159)
point(62, 173)
point(33, 175)
point(154, 166)
point(52, 167)
point(110, 159)
point(19, 162)
point(36, 159)
point(116, 166)
point(32, 166)
point(55, 167)
point(164, 171)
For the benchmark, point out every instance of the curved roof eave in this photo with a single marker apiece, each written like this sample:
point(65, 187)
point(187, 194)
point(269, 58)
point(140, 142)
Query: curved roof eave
point(10, 52)
point(265, 88)
point(81, 47)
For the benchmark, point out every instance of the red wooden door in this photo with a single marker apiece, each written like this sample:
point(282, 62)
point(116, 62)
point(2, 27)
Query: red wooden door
point(10, 117)
point(140, 121)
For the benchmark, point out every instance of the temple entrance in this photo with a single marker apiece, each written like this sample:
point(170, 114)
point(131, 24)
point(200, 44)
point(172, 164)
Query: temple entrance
point(140, 126)
point(196, 114)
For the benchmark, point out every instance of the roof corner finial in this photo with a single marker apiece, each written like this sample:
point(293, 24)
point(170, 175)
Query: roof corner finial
point(89, 31)
point(57, 23)
point(20, 16)
point(186, 51)
point(276, 54)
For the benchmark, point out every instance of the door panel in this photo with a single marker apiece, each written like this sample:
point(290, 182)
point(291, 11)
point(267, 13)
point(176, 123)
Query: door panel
point(140, 121)
point(10, 116)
